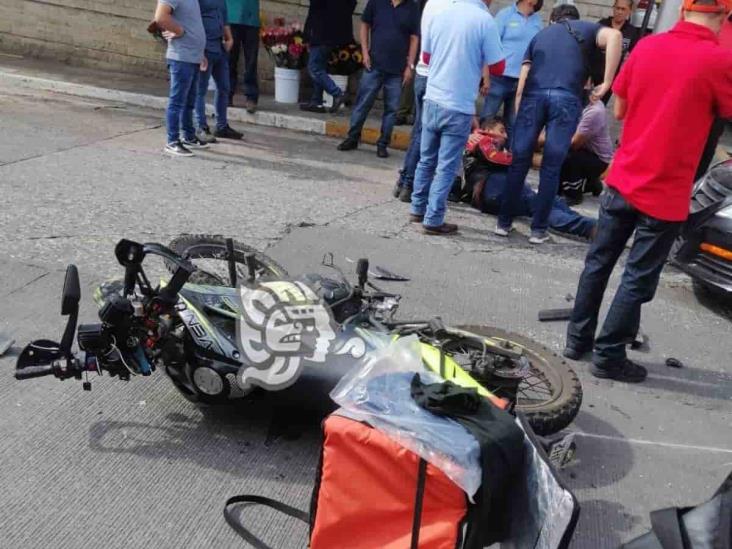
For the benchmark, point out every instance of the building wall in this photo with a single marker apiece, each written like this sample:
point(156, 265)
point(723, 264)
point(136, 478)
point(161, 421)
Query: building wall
point(112, 34)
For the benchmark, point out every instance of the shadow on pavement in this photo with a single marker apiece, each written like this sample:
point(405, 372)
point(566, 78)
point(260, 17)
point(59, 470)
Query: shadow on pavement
point(606, 525)
point(220, 438)
point(689, 381)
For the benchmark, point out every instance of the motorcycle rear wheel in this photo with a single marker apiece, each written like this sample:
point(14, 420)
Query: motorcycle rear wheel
point(208, 252)
point(551, 395)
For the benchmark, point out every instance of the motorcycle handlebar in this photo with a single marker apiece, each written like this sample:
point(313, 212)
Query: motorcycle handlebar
point(34, 371)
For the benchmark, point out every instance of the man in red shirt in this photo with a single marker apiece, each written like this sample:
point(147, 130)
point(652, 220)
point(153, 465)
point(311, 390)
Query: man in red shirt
point(668, 92)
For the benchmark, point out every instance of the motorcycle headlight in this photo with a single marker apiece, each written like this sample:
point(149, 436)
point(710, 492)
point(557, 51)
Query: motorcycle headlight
point(725, 212)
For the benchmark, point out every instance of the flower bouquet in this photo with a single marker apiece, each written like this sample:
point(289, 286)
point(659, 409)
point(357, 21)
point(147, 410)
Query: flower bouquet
point(285, 44)
point(345, 60)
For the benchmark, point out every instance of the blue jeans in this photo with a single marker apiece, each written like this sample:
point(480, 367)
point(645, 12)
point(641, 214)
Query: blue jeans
point(651, 246)
point(182, 98)
point(444, 133)
point(559, 111)
point(218, 66)
point(246, 40)
point(406, 177)
point(501, 92)
point(317, 67)
point(371, 82)
point(562, 218)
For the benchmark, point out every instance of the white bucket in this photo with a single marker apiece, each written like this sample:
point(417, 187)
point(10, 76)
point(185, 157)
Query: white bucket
point(342, 82)
point(287, 85)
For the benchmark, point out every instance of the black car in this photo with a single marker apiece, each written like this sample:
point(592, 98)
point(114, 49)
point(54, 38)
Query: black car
point(704, 249)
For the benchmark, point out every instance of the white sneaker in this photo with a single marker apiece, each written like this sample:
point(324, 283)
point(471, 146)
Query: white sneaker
point(539, 238)
point(500, 231)
point(177, 149)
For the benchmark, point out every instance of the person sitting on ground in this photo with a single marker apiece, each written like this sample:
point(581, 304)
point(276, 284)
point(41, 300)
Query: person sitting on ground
point(486, 161)
point(590, 153)
point(219, 42)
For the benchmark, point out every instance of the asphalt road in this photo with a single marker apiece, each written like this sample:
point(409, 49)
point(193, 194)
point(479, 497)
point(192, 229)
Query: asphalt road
point(131, 465)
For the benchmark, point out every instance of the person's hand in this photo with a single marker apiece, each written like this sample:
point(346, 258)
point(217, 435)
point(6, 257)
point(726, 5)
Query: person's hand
point(366, 60)
point(204, 64)
point(474, 139)
point(600, 91)
point(170, 35)
point(228, 44)
point(485, 86)
point(407, 76)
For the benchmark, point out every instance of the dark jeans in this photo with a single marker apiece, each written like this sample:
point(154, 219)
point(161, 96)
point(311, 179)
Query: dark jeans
point(559, 111)
point(581, 165)
point(181, 99)
point(651, 246)
point(246, 40)
point(317, 67)
point(368, 88)
point(406, 178)
point(710, 148)
point(562, 218)
point(218, 67)
point(501, 93)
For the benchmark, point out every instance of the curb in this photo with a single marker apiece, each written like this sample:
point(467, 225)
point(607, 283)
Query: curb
point(400, 139)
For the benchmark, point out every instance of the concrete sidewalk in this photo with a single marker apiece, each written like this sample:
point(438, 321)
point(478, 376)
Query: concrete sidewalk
point(152, 93)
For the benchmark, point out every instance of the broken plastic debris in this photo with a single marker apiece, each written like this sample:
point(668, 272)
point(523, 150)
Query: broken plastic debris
point(674, 363)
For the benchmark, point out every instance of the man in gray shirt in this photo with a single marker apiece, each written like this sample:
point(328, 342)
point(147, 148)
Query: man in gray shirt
point(182, 26)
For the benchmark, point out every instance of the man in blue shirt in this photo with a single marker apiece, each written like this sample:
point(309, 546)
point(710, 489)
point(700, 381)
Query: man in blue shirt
point(388, 58)
point(218, 44)
point(243, 18)
point(459, 45)
point(517, 26)
point(555, 69)
point(182, 27)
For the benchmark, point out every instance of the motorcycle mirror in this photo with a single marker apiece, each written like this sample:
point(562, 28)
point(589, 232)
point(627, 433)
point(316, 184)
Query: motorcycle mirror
point(129, 253)
point(362, 270)
point(71, 294)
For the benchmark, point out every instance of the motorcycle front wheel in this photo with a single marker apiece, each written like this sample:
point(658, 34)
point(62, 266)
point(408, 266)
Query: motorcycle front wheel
point(549, 395)
point(209, 254)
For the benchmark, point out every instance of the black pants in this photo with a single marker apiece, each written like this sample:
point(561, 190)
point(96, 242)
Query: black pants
point(246, 40)
point(580, 167)
point(651, 246)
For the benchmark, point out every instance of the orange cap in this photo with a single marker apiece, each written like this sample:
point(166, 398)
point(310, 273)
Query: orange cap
point(721, 6)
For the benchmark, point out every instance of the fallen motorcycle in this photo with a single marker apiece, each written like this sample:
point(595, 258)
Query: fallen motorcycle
point(231, 323)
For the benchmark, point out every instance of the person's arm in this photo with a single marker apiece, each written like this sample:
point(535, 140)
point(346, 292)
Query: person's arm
point(164, 20)
point(411, 56)
point(364, 33)
point(494, 58)
point(579, 140)
point(525, 68)
point(620, 108)
point(228, 38)
point(611, 41)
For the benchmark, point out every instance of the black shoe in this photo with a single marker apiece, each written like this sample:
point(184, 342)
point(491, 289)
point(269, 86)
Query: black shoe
point(405, 194)
point(381, 152)
point(348, 145)
point(337, 102)
point(227, 132)
point(574, 353)
point(627, 371)
point(397, 189)
point(194, 143)
point(309, 107)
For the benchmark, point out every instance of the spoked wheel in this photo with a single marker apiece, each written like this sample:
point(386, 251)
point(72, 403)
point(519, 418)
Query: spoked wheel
point(549, 392)
point(209, 254)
